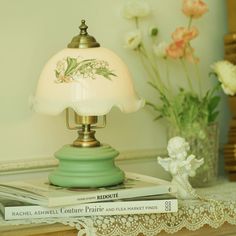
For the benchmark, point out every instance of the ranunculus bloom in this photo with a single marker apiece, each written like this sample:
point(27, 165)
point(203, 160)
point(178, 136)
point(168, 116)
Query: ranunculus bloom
point(226, 73)
point(176, 49)
point(160, 49)
point(133, 39)
point(136, 8)
point(194, 9)
point(185, 34)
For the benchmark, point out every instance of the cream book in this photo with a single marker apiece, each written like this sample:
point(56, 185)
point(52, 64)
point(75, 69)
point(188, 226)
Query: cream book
point(41, 192)
point(13, 210)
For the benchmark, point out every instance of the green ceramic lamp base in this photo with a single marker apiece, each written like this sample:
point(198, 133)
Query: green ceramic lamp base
point(86, 167)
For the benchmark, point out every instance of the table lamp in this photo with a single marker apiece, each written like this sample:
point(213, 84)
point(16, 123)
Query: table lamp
point(89, 80)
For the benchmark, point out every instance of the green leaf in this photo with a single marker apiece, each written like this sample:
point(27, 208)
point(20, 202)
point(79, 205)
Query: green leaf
point(154, 86)
point(57, 73)
point(86, 60)
point(71, 66)
point(158, 117)
point(85, 65)
point(213, 103)
point(155, 107)
point(103, 71)
point(213, 116)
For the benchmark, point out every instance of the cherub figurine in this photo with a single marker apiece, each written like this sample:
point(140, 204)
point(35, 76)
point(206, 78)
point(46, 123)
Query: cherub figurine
point(181, 166)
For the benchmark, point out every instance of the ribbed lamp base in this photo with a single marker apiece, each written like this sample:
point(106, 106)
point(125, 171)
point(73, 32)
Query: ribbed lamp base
point(86, 167)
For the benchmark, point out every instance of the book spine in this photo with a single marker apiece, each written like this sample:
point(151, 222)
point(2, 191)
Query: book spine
point(93, 209)
point(159, 187)
point(111, 195)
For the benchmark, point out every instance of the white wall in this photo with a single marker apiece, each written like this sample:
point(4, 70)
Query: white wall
point(33, 30)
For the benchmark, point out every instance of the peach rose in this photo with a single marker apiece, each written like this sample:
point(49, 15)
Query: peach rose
point(182, 33)
point(194, 9)
point(176, 49)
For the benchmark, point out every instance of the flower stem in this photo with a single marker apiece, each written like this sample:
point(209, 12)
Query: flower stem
point(156, 79)
point(187, 75)
point(190, 22)
point(168, 75)
point(199, 79)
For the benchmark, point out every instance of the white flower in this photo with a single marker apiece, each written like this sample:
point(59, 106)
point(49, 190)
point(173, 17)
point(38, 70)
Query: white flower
point(133, 39)
point(178, 148)
point(226, 73)
point(136, 8)
point(160, 49)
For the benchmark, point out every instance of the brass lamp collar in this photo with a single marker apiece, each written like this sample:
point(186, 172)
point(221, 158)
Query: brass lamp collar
point(84, 125)
point(83, 40)
point(86, 136)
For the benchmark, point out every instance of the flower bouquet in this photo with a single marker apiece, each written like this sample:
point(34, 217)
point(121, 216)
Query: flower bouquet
point(190, 111)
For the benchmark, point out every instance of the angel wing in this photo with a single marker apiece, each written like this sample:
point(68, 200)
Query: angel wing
point(164, 162)
point(192, 164)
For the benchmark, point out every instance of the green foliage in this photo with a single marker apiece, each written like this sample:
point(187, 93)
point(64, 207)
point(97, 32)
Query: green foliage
point(71, 66)
point(187, 110)
point(103, 71)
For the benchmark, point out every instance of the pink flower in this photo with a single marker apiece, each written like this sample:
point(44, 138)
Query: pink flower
point(194, 9)
point(179, 49)
point(176, 49)
point(182, 33)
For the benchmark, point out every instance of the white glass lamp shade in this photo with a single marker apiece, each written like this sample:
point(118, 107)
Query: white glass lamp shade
point(90, 81)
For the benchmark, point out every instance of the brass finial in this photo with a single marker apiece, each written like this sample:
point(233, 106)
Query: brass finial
point(83, 40)
point(83, 28)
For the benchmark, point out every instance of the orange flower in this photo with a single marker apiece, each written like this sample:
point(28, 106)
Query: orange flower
point(176, 49)
point(182, 33)
point(194, 9)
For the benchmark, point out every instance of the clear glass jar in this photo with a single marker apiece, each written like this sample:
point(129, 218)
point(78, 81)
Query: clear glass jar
point(204, 143)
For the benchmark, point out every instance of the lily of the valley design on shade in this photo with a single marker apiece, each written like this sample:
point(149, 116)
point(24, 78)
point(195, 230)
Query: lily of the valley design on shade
point(90, 81)
point(72, 69)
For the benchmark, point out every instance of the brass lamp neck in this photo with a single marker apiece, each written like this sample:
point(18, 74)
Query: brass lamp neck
point(85, 126)
point(86, 136)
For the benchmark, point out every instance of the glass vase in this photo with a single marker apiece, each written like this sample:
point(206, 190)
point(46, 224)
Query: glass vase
point(204, 143)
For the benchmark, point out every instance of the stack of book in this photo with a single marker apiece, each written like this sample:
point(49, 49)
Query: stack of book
point(230, 47)
point(139, 194)
point(230, 151)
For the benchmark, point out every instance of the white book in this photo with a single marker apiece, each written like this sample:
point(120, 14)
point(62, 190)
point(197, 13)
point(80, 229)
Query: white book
point(41, 192)
point(14, 210)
